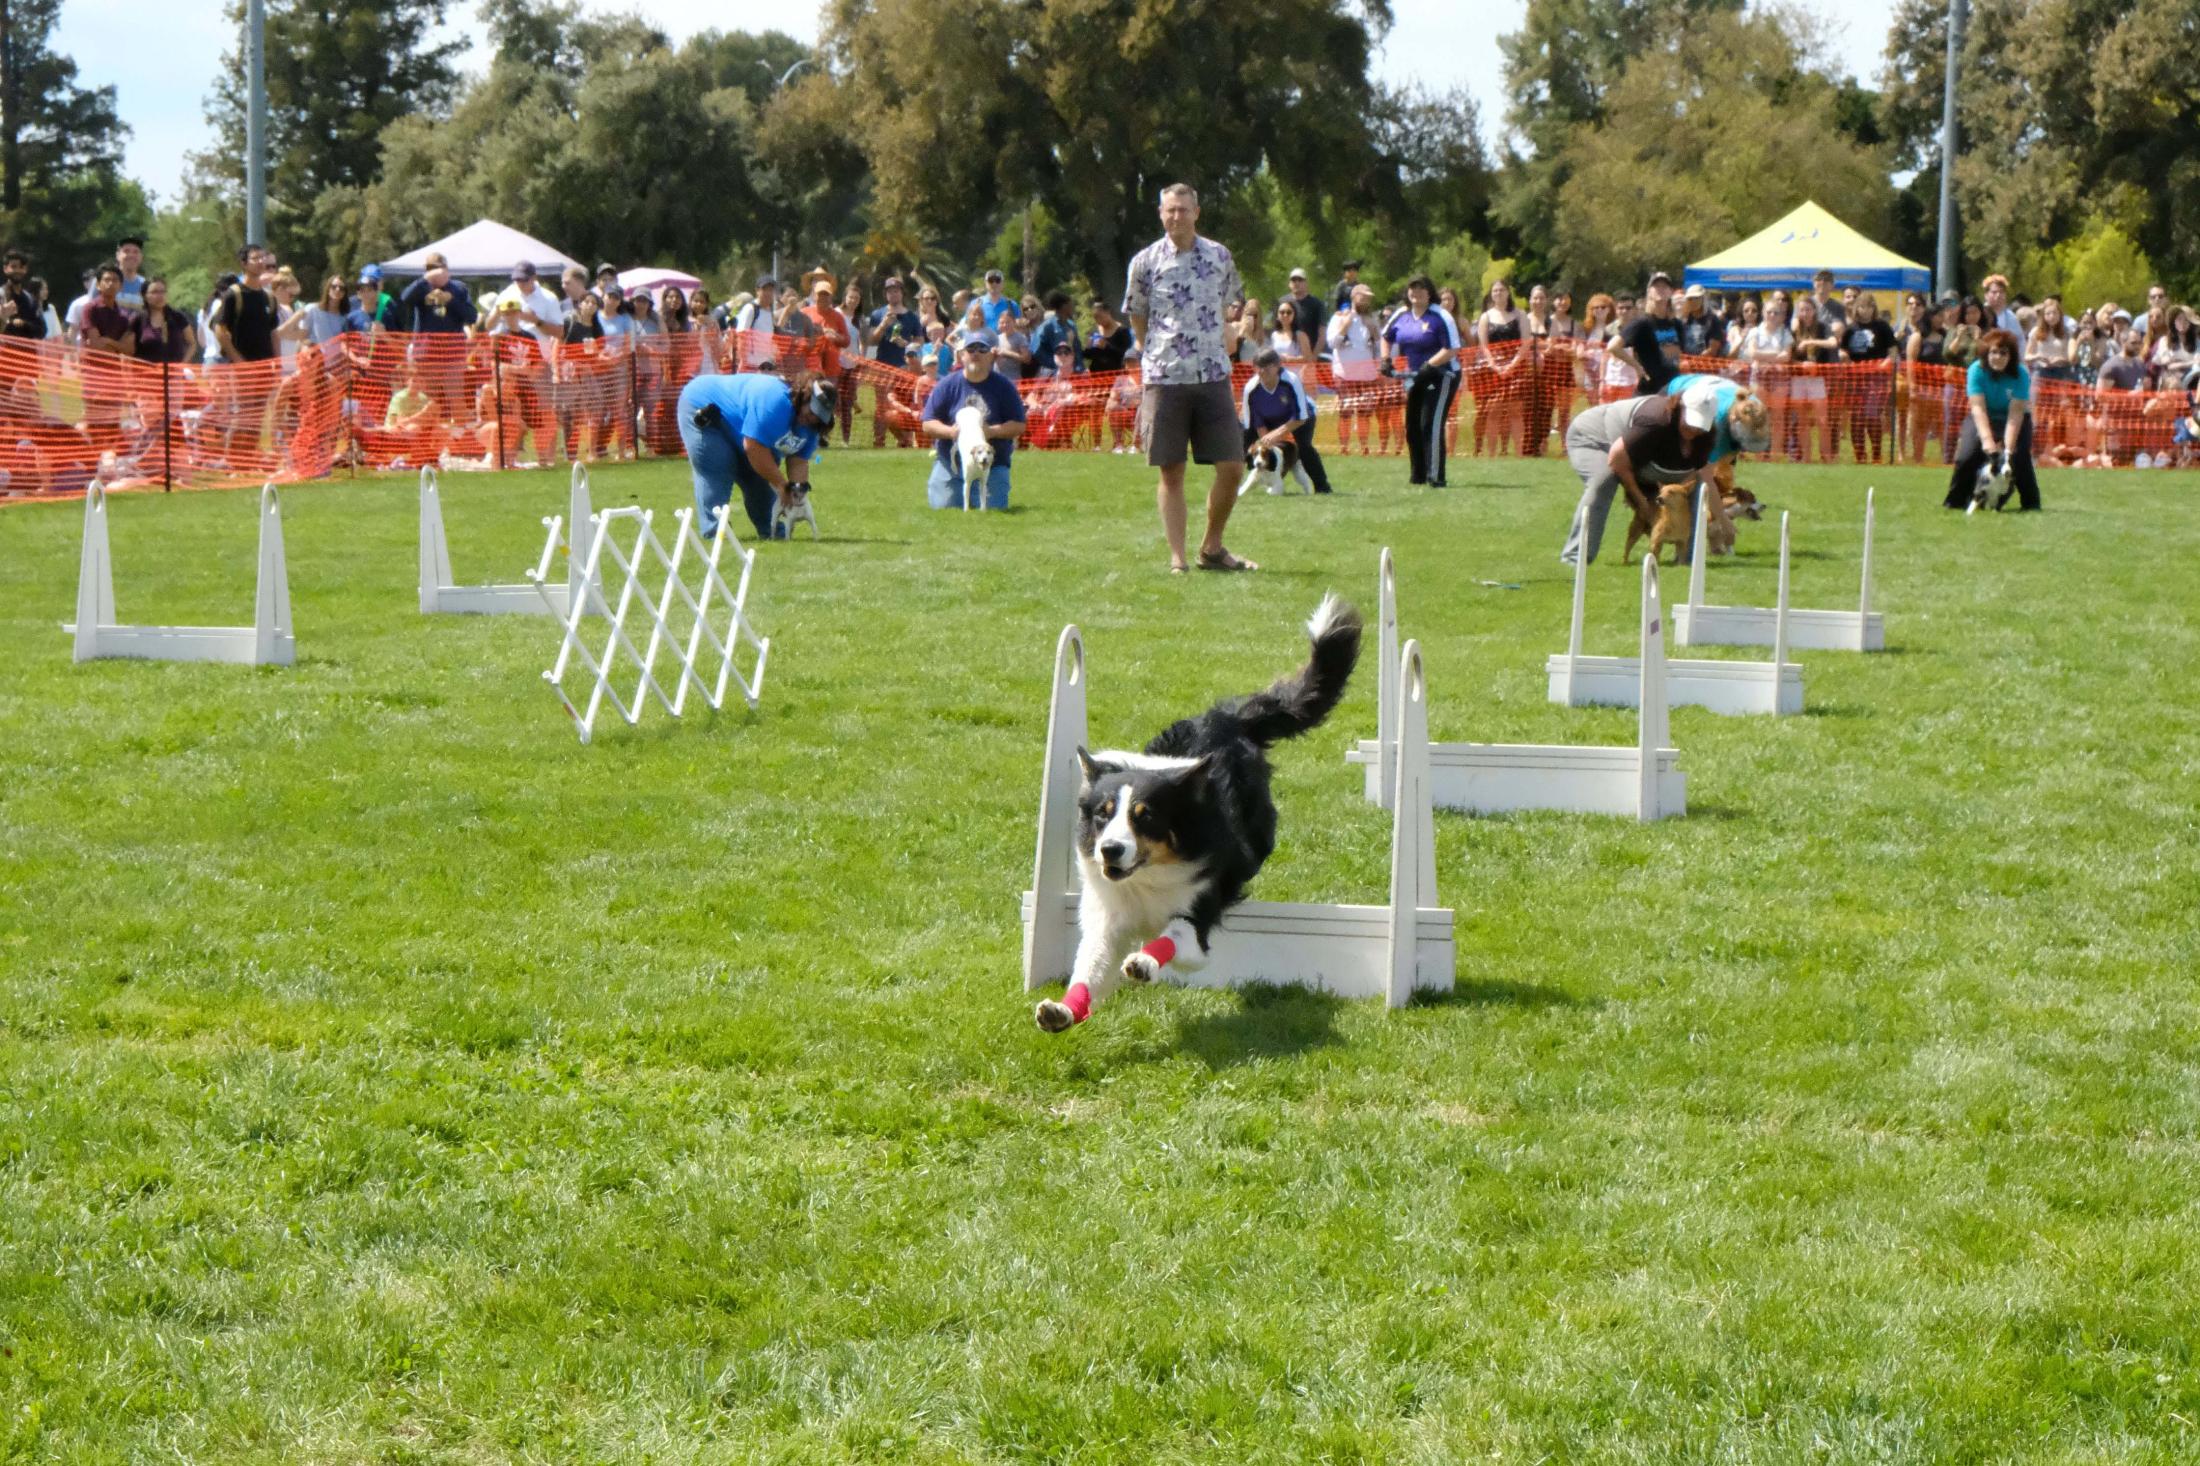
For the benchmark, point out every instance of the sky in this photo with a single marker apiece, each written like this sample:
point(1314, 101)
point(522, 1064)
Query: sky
point(163, 73)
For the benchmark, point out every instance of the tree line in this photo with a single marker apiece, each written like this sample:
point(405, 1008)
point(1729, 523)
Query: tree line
point(1034, 134)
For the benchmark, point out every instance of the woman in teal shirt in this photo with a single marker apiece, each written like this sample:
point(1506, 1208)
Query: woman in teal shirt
point(2000, 390)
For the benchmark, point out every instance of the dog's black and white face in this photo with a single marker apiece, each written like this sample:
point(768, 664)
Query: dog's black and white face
point(1137, 812)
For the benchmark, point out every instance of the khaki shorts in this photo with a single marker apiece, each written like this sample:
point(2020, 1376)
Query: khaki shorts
point(1199, 417)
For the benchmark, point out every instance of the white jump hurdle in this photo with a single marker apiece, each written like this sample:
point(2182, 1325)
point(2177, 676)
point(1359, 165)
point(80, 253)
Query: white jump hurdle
point(1731, 688)
point(1642, 779)
point(1352, 951)
point(646, 557)
point(266, 642)
point(1860, 630)
point(440, 594)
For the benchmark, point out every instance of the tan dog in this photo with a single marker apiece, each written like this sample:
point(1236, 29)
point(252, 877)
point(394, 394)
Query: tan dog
point(1671, 526)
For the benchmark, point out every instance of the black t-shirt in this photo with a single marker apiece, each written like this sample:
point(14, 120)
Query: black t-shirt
point(1313, 316)
point(169, 343)
point(250, 316)
point(1653, 442)
point(1104, 353)
point(29, 322)
point(1647, 336)
point(903, 333)
point(1867, 341)
point(1704, 335)
point(578, 330)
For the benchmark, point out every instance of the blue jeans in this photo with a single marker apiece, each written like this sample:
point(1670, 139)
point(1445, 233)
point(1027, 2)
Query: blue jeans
point(944, 490)
point(718, 464)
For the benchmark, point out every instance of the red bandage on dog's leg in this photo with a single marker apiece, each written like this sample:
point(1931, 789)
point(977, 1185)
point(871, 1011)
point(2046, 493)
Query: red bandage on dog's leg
point(1078, 1000)
point(1161, 949)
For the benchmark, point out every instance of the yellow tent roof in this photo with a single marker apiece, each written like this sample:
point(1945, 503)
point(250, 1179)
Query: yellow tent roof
point(1808, 240)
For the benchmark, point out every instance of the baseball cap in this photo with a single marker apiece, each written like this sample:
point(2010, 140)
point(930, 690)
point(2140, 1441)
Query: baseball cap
point(370, 272)
point(1700, 406)
point(1693, 292)
point(1065, 348)
point(993, 275)
point(523, 271)
point(764, 281)
point(1659, 276)
point(892, 282)
point(982, 339)
point(607, 268)
point(1350, 265)
point(1296, 275)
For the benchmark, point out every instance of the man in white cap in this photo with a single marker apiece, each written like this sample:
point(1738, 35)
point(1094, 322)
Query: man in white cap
point(1703, 333)
point(1313, 314)
point(1641, 444)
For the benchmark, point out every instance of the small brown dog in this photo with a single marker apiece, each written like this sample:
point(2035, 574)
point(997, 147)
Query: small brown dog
point(1670, 527)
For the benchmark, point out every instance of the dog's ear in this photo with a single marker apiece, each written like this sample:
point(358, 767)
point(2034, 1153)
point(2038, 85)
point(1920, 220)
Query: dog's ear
point(1089, 764)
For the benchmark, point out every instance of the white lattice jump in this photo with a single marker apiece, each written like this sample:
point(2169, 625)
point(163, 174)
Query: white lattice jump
point(703, 605)
point(1860, 630)
point(439, 592)
point(1388, 951)
point(268, 641)
point(1642, 779)
point(1732, 688)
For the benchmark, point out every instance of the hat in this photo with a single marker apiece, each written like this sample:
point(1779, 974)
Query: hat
point(607, 268)
point(1700, 406)
point(766, 282)
point(1296, 275)
point(370, 272)
point(1351, 265)
point(979, 338)
point(1693, 292)
point(891, 282)
point(1658, 275)
point(821, 282)
point(993, 275)
point(524, 270)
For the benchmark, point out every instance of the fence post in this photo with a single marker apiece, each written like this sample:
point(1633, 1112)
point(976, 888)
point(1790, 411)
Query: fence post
point(167, 439)
point(496, 375)
point(633, 399)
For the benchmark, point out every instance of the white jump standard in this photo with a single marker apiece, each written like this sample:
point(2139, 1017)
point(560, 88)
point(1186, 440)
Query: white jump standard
point(440, 594)
point(1731, 688)
point(701, 610)
point(1388, 951)
point(268, 641)
point(1642, 779)
point(1860, 630)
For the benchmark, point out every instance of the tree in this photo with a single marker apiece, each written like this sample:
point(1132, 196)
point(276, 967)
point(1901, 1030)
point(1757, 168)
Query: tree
point(2074, 114)
point(62, 194)
point(1089, 108)
point(1711, 133)
point(1559, 67)
point(338, 73)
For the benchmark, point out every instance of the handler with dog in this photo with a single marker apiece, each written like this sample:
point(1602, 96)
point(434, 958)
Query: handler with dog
point(1004, 424)
point(1669, 438)
point(756, 430)
point(1276, 411)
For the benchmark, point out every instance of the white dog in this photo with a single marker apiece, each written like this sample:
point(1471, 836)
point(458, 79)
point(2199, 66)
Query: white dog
point(796, 511)
point(976, 450)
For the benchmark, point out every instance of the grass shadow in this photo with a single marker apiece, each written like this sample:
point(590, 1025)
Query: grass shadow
point(1492, 992)
point(1265, 1022)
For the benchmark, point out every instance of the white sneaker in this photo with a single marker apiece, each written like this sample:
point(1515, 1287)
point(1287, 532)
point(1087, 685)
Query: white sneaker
point(2142, 461)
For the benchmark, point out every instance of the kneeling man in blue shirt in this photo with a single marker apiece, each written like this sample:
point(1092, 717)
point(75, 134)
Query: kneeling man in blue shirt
point(1004, 424)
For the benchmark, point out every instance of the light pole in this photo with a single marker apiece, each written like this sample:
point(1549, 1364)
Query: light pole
point(255, 122)
point(800, 62)
point(1946, 262)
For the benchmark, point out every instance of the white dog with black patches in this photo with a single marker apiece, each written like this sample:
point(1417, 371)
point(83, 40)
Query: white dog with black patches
point(1168, 838)
point(975, 448)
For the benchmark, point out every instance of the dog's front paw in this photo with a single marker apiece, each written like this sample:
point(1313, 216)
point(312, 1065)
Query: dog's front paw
point(1140, 967)
point(1054, 1017)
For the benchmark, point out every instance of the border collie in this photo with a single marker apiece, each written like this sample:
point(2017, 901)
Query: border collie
point(1167, 839)
point(1994, 482)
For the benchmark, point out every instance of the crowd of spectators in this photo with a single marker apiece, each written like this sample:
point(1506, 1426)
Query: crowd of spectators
point(518, 374)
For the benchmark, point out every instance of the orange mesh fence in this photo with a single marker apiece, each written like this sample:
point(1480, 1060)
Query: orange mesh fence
point(389, 401)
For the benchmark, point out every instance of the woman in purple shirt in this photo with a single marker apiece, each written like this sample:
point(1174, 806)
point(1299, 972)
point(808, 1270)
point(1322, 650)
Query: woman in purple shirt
point(1426, 338)
point(164, 333)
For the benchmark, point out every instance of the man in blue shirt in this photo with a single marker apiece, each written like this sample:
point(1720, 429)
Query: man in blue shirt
point(1059, 326)
point(1274, 405)
point(996, 305)
point(1004, 412)
point(752, 430)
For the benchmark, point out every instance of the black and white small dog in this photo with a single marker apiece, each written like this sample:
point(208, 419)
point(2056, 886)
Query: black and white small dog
point(1167, 839)
point(1994, 482)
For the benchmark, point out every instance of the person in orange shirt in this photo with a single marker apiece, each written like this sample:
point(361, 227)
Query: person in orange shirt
point(832, 327)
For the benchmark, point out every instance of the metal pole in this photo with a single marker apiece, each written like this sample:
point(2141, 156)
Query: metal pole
point(1946, 272)
point(255, 122)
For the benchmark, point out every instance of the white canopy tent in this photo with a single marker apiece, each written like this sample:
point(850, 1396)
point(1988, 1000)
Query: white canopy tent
point(655, 279)
point(483, 247)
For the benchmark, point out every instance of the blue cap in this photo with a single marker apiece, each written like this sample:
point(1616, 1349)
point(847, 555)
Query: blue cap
point(370, 272)
point(981, 338)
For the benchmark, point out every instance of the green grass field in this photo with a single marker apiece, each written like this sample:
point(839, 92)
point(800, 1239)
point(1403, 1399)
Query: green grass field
point(385, 1076)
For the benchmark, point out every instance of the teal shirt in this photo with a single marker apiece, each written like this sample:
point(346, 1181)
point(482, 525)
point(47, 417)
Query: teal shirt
point(1722, 437)
point(1999, 392)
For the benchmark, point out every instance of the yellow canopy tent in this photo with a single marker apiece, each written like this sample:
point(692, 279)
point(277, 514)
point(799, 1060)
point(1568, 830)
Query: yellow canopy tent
point(1789, 252)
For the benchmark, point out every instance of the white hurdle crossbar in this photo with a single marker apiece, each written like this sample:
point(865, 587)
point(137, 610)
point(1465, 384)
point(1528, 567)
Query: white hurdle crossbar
point(1386, 951)
point(268, 641)
point(1860, 630)
point(1642, 779)
point(439, 593)
point(1731, 688)
point(647, 556)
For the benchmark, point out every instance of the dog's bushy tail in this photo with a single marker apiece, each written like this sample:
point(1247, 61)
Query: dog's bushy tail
point(1298, 703)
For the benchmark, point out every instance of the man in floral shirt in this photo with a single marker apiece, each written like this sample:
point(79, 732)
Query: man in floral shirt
point(1182, 301)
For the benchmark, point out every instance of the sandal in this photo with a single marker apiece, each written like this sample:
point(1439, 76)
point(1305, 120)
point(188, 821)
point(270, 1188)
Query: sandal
point(1224, 560)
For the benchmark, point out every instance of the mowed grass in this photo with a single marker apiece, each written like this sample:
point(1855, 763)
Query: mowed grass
point(386, 1076)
